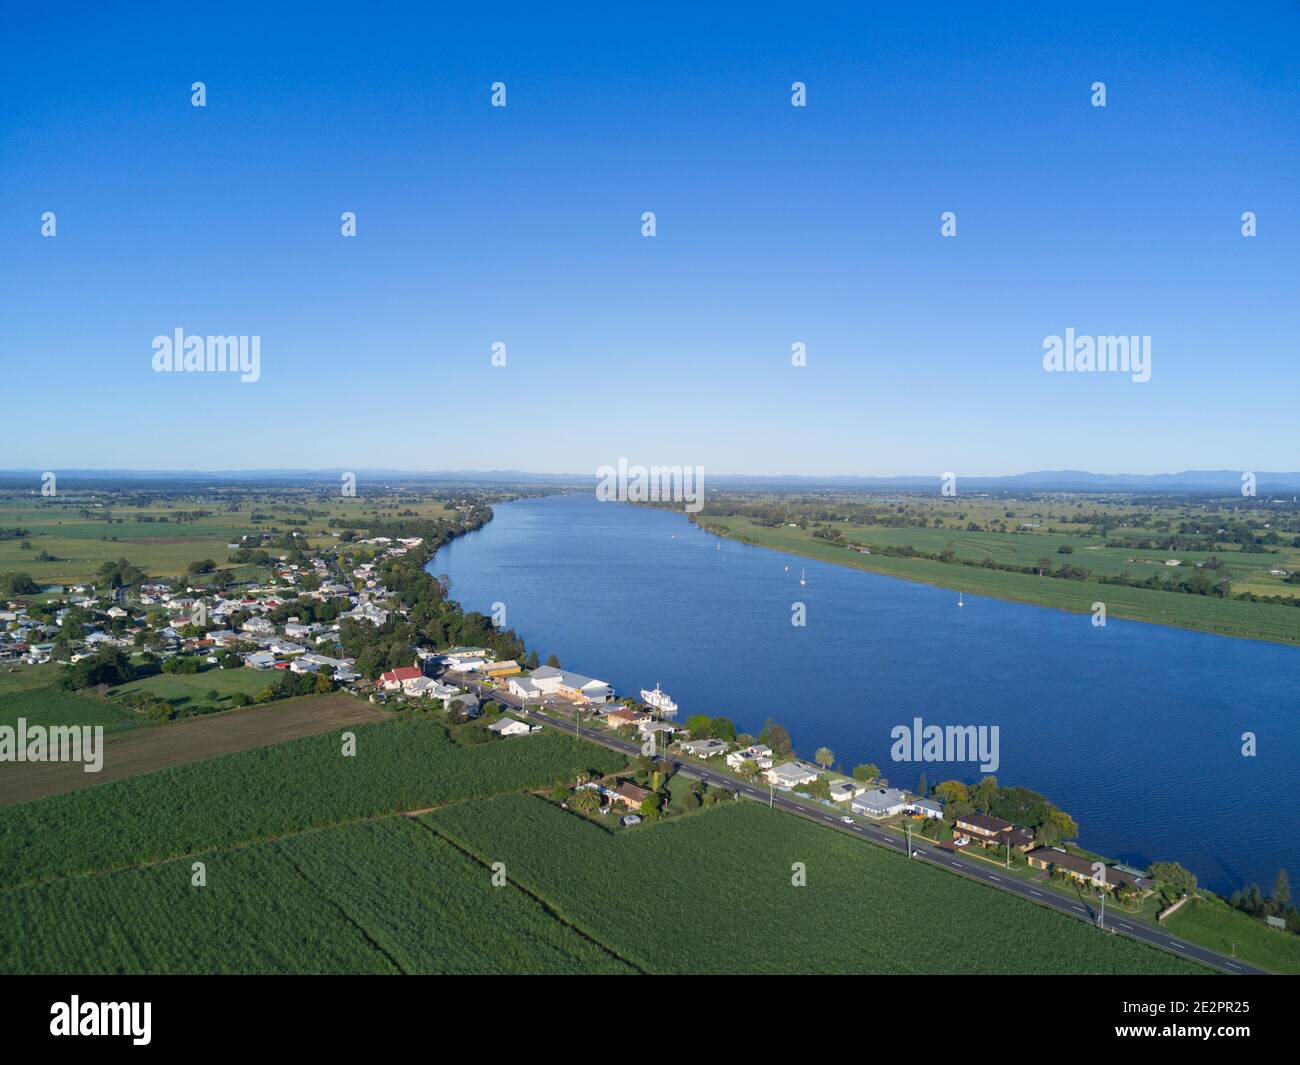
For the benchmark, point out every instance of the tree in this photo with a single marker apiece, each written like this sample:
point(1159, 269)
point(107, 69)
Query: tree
point(586, 801)
point(984, 794)
point(1281, 896)
point(866, 773)
point(698, 726)
point(824, 757)
point(922, 786)
point(553, 662)
point(722, 728)
point(651, 805)
point(18, 584)
point(776, 737)
point(1181, 880)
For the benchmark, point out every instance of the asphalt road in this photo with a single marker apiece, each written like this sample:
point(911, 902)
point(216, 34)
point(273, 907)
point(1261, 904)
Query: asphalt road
point(974, 869)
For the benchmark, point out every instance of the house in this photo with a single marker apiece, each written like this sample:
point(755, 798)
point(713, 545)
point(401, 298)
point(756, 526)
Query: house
point(421, 686)
point(258, 627)
point(705, 748)
point(468, 665)
point(625, 715)
point(790, 775)
point(1080, 868)
point(982, 826)
point(508, 726)
point(625, 792)
point(400, 678)
point(847, 790)
point(759, 753)
point(465, 703)
point(260, 660)
point(930, 808)
point(880, 803)
point(552, 681)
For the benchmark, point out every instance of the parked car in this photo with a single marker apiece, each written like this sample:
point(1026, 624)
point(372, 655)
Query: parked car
point(628, 820)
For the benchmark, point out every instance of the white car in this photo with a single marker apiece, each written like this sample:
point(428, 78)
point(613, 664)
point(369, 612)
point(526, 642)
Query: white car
point(848, 820)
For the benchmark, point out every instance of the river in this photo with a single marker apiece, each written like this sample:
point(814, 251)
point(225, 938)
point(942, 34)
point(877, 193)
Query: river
point(1134, 729)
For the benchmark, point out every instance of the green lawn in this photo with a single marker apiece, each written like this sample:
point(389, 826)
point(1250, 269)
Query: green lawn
point(712, 893)
point(180, 689)
point(1214, 924)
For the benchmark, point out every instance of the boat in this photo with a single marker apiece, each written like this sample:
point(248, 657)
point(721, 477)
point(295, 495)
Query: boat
point(803, 577)
point(959, 602)
point(659, 700)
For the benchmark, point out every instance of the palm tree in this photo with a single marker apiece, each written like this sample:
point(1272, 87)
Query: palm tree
point(824, 757)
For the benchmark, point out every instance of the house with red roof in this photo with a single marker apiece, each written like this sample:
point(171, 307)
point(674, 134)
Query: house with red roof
point(402, 677)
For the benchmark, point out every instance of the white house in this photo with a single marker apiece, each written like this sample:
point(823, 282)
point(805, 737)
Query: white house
point(847, 790)
point(705, 748)
point(790, 775)
point(508, 726)
point(881, 803)
point(759, 753)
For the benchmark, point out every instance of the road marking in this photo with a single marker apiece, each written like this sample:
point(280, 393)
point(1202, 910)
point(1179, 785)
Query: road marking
point(1080, 909)
point(1033, 892)
point(1233, 965)
point(994, 879)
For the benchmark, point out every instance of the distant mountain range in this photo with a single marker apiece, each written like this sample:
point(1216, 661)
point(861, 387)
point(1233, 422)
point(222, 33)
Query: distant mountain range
point(1218, 481)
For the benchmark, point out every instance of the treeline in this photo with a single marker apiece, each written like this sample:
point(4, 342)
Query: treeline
point(1252, 901)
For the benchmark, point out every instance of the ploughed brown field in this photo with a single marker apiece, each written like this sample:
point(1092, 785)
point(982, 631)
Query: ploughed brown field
point(190, 740)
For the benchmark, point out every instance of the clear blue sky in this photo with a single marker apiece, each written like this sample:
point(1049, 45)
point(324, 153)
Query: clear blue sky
point(775, 225)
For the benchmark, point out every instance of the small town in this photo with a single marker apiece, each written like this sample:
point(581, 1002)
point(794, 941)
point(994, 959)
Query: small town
point(296, 629)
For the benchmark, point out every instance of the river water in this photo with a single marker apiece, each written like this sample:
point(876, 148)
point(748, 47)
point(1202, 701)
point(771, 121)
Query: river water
point(1134, 729)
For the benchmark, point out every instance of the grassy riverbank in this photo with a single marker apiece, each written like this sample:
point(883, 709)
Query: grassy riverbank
point(1226, 617)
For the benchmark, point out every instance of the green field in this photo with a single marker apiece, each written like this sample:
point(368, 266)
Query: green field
point(1214, 924)
point(712, 893)
point(51, 706)
point(382, 896)
point(182, 689)
point(1261, 621)
point(271, 791)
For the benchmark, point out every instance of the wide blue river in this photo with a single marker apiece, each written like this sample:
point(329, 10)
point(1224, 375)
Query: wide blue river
point(1133, 729)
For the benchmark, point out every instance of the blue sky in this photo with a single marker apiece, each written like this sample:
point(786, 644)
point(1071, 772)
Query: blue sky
point(775, 225)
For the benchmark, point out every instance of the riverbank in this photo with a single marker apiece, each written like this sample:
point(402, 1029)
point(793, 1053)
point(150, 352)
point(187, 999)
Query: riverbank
point(1223, 617)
